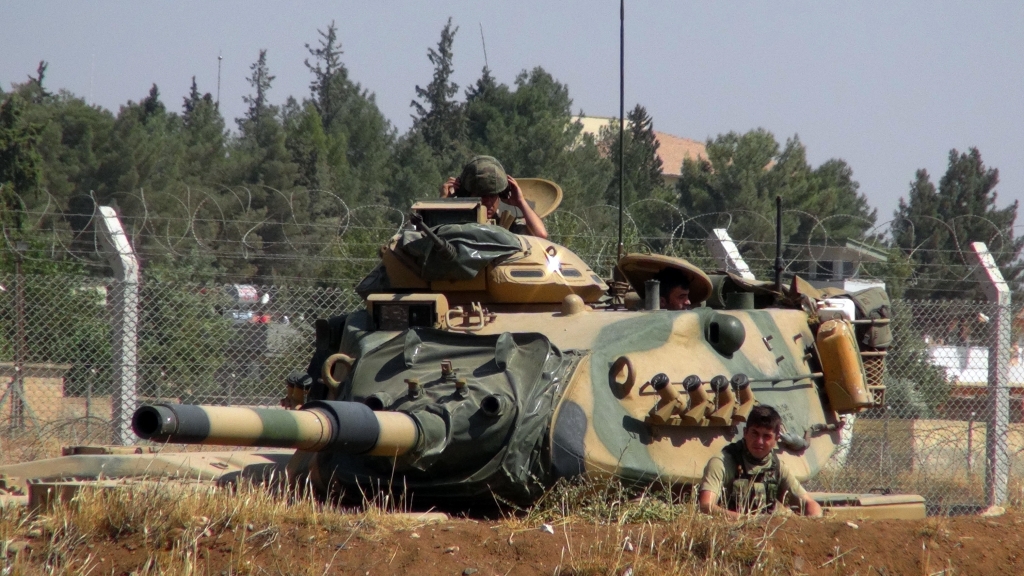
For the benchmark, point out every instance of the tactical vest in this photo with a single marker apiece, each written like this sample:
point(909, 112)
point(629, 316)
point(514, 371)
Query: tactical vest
point(756, 491)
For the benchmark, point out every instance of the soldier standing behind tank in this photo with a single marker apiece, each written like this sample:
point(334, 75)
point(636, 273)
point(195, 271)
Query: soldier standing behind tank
point(484, 177)
point(749, 476)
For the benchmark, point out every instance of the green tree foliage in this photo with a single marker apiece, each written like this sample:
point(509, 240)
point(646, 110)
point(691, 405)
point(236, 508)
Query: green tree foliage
point(439, 118)
point(736, 186)
point(75, 139)
point(643, 167)
point(436, 146)
point(144, 151)
point(645, 195)
point(185, 338)
point(82, 338)
point(267, 174)
point(415, 172)
point(20, 162)
point(935, 227)
point(530, 130)
point(359, 139)
point(205, 138)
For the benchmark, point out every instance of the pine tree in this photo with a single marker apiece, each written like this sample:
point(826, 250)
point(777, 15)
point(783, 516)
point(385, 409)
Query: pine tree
point(20, 162)
point(204, 137)
point(259, 109)
point(330, 76)
point(643, 166)
point(358, 136)
point(151, 104)
point(935, 227)
point(736, 186)
point(35, 84)
point(440, 119)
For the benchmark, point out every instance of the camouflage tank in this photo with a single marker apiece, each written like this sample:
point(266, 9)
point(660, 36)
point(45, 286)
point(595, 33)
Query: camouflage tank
point(488, 365)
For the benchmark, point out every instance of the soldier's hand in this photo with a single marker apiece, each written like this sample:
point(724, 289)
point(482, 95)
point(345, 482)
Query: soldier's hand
point(450, 187)
point(515, 194)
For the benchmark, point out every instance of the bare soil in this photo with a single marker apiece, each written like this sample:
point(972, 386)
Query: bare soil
point(783, 545)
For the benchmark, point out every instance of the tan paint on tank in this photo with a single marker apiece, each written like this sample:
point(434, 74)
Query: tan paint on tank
point(398, 434)
point(580, 392)
point(698, 359)
point(681, 453)
point(234, 426)
point(790, 323)
point(314, 429)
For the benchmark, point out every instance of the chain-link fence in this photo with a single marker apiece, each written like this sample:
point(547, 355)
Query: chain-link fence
point(931, 436)
point(235, 344)
point(230, 344)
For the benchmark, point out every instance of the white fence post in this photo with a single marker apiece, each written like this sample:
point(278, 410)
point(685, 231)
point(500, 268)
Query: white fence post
point(725, 252)
point(997, 469)
point(125, 305)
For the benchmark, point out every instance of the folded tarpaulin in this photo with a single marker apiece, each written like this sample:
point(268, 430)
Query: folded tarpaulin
point(476, 246)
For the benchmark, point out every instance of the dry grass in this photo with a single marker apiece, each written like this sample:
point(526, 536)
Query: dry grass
point(170, 525)
point(38, 442)
point(648, 530)
point(169, 521)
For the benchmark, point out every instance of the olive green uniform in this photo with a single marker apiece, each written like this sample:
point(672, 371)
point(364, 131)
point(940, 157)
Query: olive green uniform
point(745, 484)
point(510, 222)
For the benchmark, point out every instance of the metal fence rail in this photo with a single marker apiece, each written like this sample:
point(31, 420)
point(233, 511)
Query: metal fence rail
point(235, 345)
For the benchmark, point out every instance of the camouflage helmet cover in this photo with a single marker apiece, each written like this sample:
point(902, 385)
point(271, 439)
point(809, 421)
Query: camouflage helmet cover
point(483, 176)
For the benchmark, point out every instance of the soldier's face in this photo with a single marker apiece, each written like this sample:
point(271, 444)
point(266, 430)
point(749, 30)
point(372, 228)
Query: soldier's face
point(491, 203)
point(678, 299)
point(760, 441)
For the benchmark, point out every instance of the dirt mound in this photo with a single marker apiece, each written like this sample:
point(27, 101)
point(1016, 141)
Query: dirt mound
point(777, 545)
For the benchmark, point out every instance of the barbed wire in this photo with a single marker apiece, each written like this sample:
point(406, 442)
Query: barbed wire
point(262, 225)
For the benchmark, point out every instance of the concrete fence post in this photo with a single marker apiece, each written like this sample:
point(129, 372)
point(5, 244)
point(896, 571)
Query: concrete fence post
point(997, 461)
point(723, 249)
point(125, 308)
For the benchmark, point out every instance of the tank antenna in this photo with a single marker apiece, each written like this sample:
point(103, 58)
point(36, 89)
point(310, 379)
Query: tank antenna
point(622, 118)
point(219, 59)
point(484, 43)
point(778, 244)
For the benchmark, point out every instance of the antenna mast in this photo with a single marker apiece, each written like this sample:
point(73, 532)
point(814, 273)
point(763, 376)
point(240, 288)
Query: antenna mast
point(219, 58)
point(484, 42)
point(778, 244)
point(622, 119)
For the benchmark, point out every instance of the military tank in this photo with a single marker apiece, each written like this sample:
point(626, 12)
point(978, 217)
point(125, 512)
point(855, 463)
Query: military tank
point(486, 365)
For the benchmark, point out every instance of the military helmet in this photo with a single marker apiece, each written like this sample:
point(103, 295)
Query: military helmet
point(483, 176)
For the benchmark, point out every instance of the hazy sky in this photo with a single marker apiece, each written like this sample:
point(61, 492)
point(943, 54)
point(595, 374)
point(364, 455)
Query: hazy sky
point(888, 86)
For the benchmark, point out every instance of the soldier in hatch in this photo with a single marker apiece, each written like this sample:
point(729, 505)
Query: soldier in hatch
point(674, 289)
point(485, 178)
point(749, 477)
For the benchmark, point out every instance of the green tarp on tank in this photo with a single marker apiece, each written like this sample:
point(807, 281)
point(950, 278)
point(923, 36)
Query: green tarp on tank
point(476, 245)
point(481, 455)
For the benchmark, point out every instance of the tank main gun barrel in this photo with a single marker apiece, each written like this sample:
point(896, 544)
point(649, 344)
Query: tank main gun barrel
point(346, 427)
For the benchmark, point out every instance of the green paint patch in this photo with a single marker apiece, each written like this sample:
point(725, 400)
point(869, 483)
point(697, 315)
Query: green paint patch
point(279, 428)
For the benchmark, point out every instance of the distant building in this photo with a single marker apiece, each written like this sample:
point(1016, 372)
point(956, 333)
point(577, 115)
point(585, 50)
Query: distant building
point(672, 150)
point(840, 266)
